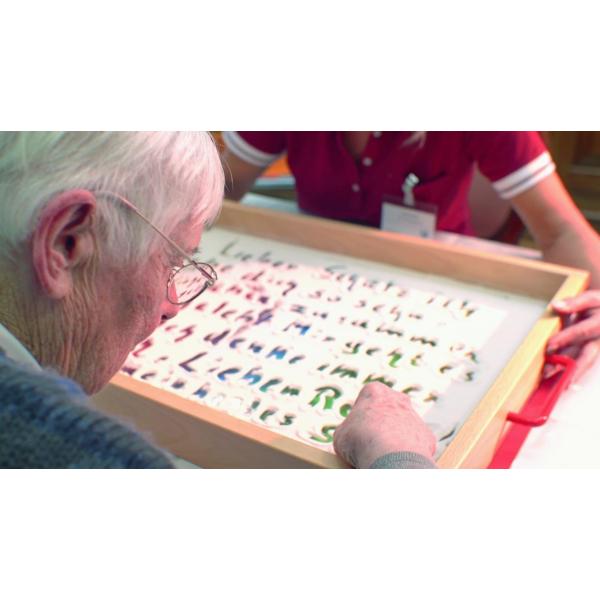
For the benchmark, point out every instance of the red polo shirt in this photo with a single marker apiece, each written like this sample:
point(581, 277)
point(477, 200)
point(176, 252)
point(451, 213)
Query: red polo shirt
point(331, 183)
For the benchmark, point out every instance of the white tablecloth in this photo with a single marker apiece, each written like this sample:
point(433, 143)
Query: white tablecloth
point(571, 437)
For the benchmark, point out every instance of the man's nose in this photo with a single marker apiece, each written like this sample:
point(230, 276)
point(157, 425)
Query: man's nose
point(169, 310)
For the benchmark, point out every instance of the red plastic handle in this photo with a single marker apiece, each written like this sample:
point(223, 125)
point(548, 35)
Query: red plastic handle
point(536, 411)
point(551, 388)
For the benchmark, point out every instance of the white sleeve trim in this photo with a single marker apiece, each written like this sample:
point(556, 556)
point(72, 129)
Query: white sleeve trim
point(525, 177)
point(242, 149)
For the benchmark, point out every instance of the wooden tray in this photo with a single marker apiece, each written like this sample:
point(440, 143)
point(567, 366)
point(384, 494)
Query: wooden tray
point(211, 438)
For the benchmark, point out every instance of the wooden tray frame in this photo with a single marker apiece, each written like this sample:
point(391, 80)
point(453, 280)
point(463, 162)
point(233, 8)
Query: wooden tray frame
point(210, 438)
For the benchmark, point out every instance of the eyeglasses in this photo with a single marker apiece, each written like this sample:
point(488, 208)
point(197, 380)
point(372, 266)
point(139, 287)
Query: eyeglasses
point(187, 282)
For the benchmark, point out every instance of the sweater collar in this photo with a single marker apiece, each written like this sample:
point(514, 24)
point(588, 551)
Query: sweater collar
point(15, 350)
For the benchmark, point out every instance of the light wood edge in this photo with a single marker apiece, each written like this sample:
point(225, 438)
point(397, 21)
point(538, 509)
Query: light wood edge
point(476, 442)
point(203, 435)
point(506, 273)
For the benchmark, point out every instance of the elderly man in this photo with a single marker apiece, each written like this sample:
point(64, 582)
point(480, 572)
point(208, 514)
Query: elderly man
point(83, 278)
point(97, 239)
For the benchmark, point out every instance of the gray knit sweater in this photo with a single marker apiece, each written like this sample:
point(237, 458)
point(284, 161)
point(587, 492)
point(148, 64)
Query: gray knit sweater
point(45, 423)
point(403, 460)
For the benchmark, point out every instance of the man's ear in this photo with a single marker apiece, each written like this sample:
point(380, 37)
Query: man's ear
point(63, 239)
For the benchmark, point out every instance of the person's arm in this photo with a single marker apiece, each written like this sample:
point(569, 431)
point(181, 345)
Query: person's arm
point(561, 231)
point(246, 155)
point(384, 431)
point(239, 175)
point(565, 237)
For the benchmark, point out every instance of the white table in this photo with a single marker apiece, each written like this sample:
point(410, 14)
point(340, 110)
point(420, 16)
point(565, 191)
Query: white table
point(571, 437)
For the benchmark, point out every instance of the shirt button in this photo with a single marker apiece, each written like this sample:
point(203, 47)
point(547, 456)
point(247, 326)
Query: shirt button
point(367, 161)
point(377, 134)
point(355, 187)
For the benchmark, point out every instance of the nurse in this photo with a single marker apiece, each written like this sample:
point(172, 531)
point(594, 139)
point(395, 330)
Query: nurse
point(351, 175)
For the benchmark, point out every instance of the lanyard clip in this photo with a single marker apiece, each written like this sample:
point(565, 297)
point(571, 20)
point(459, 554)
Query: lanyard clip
point(407, 189)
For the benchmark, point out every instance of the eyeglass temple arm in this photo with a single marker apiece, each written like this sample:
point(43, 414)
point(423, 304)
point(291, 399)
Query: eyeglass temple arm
point(162, 235)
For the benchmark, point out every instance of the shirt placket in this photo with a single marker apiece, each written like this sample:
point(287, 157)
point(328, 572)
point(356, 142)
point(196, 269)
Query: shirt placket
point(364, 164)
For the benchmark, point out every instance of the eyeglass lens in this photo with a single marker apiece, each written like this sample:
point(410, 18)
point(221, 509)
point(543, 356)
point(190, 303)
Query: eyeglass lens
point(186, 283)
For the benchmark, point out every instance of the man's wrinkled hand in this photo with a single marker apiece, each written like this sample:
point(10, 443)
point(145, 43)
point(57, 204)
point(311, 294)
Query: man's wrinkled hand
point(381, 421)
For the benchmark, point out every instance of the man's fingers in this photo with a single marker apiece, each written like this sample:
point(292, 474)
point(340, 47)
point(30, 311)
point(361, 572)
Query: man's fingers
point(585, 301)
point(340, 445)
point(377, 390)
point(368, 391)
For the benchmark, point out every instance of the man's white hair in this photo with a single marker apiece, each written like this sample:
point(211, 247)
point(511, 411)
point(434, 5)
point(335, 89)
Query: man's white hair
point(172, 177)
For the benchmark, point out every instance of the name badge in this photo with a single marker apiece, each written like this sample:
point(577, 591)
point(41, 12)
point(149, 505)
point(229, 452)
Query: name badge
point(419, 219)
